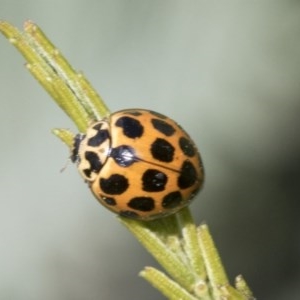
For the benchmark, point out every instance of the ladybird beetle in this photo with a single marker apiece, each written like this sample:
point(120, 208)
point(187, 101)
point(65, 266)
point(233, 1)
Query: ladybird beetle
point(139, 164)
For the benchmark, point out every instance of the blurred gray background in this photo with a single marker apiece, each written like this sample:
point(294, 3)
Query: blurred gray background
point(227, 71)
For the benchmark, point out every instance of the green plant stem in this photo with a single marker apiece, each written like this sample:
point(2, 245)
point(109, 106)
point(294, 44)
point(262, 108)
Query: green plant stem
point(188, 254)
point(166, 257)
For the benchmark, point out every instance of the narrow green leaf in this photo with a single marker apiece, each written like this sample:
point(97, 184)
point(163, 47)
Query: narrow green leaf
point(165, 285)
point(65, 136)
point(214, 268)
point(61, 93)
point(191, 243)
point(242, 286)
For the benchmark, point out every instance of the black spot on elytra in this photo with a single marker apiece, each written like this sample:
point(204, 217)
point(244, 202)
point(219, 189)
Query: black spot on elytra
point(94, 161)
point(129, 214)
point(187, 147)
point(77, 140)
point(142, 203)
point(109, 200)
point(154, 180)
point(132, 128)
point(123, 155)
point(114, 185)
point(162, 150)
point(87, 172)
point(188, 175)
point(98, 126)
point(98, 138)
point(156, 114)
point(172, 200)
point(163, 127)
